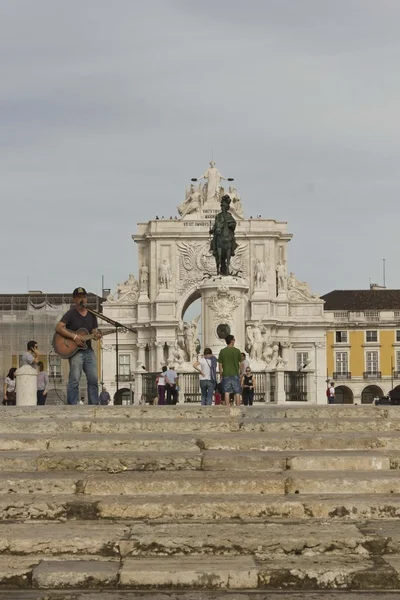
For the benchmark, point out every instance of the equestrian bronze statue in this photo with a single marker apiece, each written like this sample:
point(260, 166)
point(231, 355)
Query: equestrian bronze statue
point(223, 243)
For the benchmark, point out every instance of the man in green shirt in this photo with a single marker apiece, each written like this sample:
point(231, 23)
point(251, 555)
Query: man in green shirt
point(229, 369)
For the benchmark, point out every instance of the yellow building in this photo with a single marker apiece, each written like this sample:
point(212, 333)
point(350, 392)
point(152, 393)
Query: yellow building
point(363, 343)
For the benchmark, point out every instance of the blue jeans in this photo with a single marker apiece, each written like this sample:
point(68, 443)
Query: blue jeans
point(207, 389)
point(83, 360)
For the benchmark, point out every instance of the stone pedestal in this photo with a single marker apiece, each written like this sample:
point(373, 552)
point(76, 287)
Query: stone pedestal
point(223, 311)
point(26, 386)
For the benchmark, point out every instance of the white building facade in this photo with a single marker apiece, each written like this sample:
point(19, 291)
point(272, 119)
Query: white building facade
point(275, 318)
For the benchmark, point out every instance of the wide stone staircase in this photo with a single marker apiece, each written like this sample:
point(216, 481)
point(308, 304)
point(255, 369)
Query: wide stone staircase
point(191, 502)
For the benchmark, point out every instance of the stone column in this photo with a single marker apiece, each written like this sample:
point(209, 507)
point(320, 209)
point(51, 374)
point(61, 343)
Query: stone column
point(26, 386)
point(141, 354)
point(159, 355)
point(280, 385)
point(138, 386)
point(285, 351)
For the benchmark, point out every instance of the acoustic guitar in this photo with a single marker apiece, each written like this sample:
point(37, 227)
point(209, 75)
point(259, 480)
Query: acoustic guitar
point(66, 347)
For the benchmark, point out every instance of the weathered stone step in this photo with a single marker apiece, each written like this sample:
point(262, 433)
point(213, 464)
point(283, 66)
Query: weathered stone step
point(188, 482)
point(324, 425)
point(107, 443)
point(300, 460)
point(113, 462)
point(213, 508)
point(120, 539)
point(244, 573)
point(175, 442)
point(181, 411)
point(168, 594)
point(247, 441)
point(209, 460)
point(112, 426)
point(343, 482)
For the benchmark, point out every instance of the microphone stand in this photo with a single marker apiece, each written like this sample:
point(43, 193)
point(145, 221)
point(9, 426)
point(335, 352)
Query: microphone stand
point(117, 325)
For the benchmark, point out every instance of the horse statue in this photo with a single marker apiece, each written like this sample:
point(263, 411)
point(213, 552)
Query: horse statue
point(223, 243)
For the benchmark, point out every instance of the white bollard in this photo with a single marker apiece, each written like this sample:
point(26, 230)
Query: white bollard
point(26, 386)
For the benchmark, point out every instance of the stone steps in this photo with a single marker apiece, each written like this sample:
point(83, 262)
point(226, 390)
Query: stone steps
point(321, 572)
point(180, 442)
point(209, 460)
point(168, 594)
point(227, 507)
point(125, 425)
point(212, 500)
point(121, 540)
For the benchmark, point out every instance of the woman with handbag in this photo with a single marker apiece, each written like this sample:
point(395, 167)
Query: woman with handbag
point(207, 367)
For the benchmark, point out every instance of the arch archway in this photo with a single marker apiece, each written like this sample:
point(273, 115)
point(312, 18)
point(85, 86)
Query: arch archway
point(343, 395)
point(369, 393)
point(123, 396)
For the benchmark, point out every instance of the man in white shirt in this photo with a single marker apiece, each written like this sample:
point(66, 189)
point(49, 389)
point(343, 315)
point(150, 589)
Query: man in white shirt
point(171, 380)
point(207, 367)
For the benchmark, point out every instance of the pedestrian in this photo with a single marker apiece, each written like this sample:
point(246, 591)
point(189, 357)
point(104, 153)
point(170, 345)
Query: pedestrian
point(207, 367)
point(247, 382)
point(10, 396)
point(31, 357)
point(244, 363)
point(42, 384)
point(330, 392)
point(78, 317)
point(171, 385)
point(160, 381)
point(229, 360)
point(104, 398)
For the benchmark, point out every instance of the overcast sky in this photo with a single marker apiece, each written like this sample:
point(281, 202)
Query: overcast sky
point(109, 107)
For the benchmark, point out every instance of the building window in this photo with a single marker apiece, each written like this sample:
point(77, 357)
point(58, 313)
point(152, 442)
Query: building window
point(301, 360)
point(371, 359)
point(398, 335)
point(124, 364)
point(55, 366)
point(371, 336)
point(341, 337)
point(342, 363)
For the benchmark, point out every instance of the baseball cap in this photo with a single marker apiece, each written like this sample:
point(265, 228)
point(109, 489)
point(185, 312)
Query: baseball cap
point(79, 290)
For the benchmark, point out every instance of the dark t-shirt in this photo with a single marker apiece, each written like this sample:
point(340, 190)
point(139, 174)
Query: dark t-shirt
point(74, 320)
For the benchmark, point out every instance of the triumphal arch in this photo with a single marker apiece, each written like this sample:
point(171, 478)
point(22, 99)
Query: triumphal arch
point(274, 316)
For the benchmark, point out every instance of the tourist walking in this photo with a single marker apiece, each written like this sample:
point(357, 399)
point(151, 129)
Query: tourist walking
point(248, 387)
point(104, 398)
point(160, 381)
point(10, 396)
point(229, 360)
point(330, 392)
point(42, 384)
point(207, 367)
point(171, 385)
